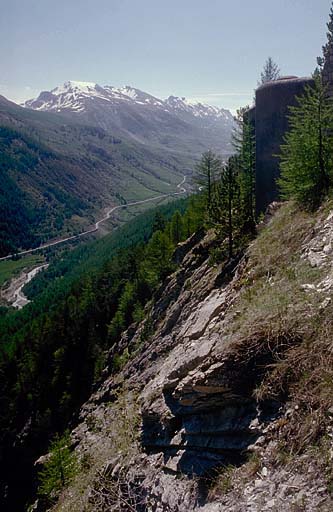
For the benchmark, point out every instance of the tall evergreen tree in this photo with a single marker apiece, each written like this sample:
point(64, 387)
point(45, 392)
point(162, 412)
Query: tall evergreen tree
point(244, 144)
point(228, 186)
point(329, 44)
point(158, 257)
point(306, 156)
point(193, 218)
point(325, 62)
point(225, 209)
point(208, 171)
point(159, 222)
point(176, 227)
point(270, 72)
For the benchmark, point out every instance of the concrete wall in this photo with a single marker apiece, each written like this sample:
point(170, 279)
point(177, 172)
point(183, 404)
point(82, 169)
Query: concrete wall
point(271, 123)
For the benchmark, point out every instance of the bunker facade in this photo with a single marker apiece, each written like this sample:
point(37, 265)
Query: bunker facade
point(270, 120)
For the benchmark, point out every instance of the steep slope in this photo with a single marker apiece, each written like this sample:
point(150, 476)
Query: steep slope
point(232, 369)
point(53, 350)
point(57, 174)
point(175, 123)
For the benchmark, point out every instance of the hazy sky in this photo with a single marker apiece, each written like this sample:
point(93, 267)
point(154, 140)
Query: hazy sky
point(210, 50)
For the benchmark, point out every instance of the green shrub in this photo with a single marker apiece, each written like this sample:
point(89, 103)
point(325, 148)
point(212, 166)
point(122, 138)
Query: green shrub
point(59, 469)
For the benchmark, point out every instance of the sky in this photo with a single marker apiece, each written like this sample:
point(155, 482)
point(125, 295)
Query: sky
point(206, 50)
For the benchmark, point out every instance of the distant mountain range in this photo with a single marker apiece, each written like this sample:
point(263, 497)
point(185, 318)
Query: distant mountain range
point(174, 123)
point(81, 147)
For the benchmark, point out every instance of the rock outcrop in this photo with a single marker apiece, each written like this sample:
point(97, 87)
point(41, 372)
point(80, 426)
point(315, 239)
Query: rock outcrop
point(193, 377)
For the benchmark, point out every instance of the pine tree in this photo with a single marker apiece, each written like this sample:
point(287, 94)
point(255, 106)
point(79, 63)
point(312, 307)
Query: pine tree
point(159, 222)
point(176, 228)
point(208, 170)
point(158, 257)
point(270, 72)
point(59, 469)
point(193, 218)
point(306, 156)
point(244, 144)
point(225, 209)
point(329, 44)
point(325, 62)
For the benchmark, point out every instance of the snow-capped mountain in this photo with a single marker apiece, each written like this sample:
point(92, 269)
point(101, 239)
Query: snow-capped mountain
point(72, 95)
point(127, 111)
point(197, 109)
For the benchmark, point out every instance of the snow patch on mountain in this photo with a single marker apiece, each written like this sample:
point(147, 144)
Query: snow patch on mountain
point(197, 109)
point(75, 96)
point(76, 87)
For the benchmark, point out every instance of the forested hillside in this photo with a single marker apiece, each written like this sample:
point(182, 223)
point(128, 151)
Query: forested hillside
point(57, 175)
point(54, 350)
point(33, 207)
point(185, 360)
point(174, 124)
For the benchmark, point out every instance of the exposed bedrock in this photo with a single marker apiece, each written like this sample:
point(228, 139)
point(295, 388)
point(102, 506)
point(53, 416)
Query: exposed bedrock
point(197, 404)
point(194, 378)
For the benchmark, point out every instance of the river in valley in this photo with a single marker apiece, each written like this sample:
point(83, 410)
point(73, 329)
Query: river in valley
point(14, 294)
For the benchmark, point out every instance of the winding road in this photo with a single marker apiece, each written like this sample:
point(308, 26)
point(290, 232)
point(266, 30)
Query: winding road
point(96, 227)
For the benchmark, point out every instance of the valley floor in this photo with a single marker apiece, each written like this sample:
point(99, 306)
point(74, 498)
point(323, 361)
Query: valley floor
point(97, 226)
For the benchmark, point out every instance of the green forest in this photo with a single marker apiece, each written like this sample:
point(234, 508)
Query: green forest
point(26, 222)
point(56, 174)
point(53, 351)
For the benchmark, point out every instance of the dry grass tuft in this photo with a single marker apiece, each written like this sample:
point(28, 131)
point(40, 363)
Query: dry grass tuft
point(305, 374)
point(222, 483)
point(284, 330)
point(271, 296)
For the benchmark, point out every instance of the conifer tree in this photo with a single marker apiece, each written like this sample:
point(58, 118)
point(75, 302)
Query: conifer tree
point(244, 144)
point(270, 72)
point(158, 257)
point(232, 199)
point(306, 156)
point(59, 469)
point(193, 218)
point(225, 210)
point(208, 170)
point(159, 222)
point(324, 62)
point(329, 43)
point(176, 228)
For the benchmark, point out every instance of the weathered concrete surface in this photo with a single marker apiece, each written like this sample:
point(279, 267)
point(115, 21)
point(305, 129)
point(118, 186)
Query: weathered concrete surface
point(273, 100)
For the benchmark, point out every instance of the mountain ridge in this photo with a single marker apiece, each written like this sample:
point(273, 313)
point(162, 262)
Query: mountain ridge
point(57, 173)
point(81, 147)
point(175, 123)
point(77, 90)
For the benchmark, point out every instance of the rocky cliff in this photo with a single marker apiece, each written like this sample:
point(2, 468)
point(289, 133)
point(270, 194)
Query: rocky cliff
point(224, 399)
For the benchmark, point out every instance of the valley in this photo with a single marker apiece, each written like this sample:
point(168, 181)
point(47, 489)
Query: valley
point(12, 292)
point(166, 256)
point(61, 166)
point(96, 227)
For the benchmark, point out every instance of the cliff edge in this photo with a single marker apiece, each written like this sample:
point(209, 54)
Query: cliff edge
point(223, 400)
